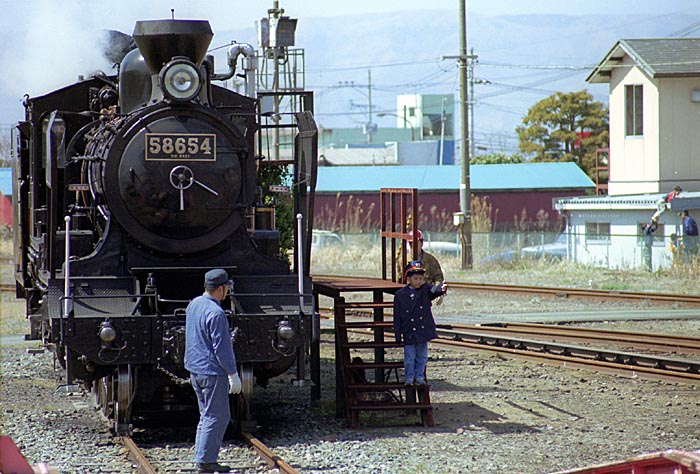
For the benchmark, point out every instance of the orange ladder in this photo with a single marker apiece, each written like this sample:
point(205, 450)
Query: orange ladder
point(361, 393)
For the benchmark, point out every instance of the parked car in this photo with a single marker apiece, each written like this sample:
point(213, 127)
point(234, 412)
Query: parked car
point(506, 256)
point(554, 251)
point(442, 248)
point(324, 239)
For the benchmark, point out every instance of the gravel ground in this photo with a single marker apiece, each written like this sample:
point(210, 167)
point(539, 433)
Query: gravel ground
point(492, 415)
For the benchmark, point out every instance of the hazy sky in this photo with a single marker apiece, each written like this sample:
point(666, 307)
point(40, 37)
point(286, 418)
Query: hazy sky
point(17, 14)
point(53, 35)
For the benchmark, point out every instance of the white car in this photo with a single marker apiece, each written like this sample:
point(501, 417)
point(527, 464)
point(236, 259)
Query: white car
point(442, 248)
point(554, 251)
point(324, 239)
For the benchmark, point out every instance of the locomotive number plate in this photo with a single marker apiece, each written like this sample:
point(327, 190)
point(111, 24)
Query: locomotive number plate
point(181, 146)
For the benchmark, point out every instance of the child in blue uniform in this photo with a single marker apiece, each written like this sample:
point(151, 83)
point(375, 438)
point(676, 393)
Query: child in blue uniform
point(413, 321)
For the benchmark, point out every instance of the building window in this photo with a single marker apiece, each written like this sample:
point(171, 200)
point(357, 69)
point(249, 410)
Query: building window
point(411, 111)
point(597, 232)
point(634, 110)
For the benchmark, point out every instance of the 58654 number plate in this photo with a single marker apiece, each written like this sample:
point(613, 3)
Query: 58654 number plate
point(181, 146)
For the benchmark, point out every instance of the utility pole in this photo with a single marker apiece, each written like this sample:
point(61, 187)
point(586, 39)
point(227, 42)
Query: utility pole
point(442, 132)
point(472, 59)
point(463, 218)
point(465, 184)
point(370, 129)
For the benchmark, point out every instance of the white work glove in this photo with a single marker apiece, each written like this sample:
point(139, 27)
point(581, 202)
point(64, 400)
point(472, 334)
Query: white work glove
point(234, 383)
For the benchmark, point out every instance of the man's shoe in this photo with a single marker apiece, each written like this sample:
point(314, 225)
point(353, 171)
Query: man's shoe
point(420, 382)
point(212, 467)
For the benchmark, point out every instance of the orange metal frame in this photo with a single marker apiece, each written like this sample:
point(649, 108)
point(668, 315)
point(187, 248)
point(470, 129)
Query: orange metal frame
point(394, 207)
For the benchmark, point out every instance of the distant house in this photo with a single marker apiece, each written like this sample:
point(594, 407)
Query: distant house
point(606, 230)
point(654, 146)
point(6, 196)
point(654, 114)
point(424, 135)
point(351, 193)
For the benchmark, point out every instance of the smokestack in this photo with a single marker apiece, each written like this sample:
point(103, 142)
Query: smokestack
point(160, 40)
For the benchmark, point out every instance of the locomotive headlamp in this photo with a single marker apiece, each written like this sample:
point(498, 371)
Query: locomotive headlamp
point(107, 333)
point(284, 330)
point(180, 80)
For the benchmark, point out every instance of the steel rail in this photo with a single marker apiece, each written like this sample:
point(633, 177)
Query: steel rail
point(586, 293)
point(627, 370)
point(641, 365)
point(602, 360)
point(267, 455)
point(653, 341)
point(135, 455)
point(143, 466)
point(559, 292)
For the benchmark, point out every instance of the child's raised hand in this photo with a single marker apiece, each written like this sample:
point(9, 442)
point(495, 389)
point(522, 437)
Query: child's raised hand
point(443, 287)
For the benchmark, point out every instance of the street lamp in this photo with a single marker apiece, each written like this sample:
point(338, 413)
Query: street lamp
point(406, 122)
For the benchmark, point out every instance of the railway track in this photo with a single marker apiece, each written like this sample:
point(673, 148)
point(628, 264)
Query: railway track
point(564, 292)
point(556, 292)
point(583, 293)
point(663, 343)
point(627, 364)
point(142, 465)
point(570, 347)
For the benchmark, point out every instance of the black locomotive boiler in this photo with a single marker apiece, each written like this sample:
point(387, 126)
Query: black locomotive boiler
point(127, 189)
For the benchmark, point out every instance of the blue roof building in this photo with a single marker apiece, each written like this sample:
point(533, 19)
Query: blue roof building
point(507, 177)
point(514, 192)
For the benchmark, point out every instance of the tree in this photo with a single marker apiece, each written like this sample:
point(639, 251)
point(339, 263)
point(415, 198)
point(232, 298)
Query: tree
point(496, 159)
point(565, 127)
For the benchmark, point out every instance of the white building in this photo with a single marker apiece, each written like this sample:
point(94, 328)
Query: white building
point(654, 146)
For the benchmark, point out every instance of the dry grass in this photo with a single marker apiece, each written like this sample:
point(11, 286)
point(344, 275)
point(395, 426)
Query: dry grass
point(363, 258)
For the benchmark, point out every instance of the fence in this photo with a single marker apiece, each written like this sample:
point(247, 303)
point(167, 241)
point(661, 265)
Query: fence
point(613, 251)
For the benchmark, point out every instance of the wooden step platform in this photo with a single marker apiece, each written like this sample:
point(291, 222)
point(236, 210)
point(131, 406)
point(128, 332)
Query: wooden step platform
point(355, 390)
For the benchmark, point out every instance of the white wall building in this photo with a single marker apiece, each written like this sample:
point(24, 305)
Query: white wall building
point(605, 231)
point(654, 146)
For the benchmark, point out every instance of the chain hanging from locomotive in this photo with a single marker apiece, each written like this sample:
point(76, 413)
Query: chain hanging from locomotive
point(152, 175)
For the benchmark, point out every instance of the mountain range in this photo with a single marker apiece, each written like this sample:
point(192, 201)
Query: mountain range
point(521, 60)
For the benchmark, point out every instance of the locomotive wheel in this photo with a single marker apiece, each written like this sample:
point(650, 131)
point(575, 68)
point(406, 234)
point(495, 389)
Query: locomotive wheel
point(125, 390)
point(247, 381)
point(240, 404)
point(103, 391)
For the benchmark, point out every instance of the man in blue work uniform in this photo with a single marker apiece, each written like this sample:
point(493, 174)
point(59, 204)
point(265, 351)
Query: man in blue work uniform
point(211, 361)
point(690, 235)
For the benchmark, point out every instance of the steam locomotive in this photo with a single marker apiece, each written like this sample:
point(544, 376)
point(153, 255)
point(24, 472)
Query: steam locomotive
point(127, 189)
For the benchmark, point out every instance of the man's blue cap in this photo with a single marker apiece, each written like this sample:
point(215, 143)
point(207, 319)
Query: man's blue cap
point(217, 277)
